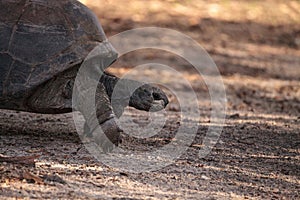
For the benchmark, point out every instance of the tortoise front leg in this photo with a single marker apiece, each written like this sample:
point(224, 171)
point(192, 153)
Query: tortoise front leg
point(56, 97)
point(106, 119)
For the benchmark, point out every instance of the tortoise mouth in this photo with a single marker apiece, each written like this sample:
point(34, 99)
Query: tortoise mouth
point(157, 105)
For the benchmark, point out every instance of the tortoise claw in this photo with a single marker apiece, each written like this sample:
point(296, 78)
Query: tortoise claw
point(108, 138)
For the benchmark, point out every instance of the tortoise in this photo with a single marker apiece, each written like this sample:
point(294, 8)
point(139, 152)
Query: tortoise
point(42, 46)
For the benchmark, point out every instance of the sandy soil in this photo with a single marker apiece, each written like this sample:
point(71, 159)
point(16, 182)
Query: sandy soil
point(257, 155)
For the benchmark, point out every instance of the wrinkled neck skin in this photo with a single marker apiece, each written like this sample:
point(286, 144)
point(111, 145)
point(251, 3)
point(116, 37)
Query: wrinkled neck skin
point(126, 92)
point(123, 92)
point(121, 98)
point(109, 81)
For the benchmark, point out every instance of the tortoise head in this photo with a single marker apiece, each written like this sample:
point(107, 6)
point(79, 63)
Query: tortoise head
point(148, 98)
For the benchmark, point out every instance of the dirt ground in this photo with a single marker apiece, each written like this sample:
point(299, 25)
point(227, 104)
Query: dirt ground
point(256, 46)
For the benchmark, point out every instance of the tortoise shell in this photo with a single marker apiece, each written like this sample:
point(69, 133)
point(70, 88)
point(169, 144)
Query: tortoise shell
point(40, 39)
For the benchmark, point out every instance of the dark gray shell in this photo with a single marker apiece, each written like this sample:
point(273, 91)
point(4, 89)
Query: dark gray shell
point(40, 39)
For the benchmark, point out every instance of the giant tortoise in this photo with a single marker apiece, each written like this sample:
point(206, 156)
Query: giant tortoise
point(42, 46)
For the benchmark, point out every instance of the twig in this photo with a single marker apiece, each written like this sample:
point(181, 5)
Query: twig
point(28, 160)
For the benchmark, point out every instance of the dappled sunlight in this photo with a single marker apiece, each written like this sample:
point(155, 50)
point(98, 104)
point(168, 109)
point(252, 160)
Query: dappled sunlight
point(103, 183)
point(68, 166)
point(256, 48)
point(260, 11)
point(252, 173)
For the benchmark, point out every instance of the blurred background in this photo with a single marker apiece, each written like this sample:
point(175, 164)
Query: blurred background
point(255, 44)
point(221, 22)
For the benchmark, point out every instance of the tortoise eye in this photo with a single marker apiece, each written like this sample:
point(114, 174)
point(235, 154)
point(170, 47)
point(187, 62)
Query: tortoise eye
point(156, 96)
point(146, 92)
